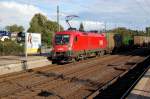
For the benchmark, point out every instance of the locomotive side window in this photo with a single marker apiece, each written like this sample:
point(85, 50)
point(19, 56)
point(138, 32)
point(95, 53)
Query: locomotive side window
point(76, 39)
point(61, 39)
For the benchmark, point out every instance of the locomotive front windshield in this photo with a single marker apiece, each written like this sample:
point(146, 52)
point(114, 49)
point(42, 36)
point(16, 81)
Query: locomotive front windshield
point(61, 39)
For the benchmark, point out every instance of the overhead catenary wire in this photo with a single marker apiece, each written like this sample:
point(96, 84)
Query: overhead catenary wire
point(144, 10)
point(139, 4)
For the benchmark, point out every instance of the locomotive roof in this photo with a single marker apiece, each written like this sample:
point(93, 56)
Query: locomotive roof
point(81, 33)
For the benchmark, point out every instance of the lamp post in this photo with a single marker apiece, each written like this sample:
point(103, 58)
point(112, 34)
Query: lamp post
point(58, 18)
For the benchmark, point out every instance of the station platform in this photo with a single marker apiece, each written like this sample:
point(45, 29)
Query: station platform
point(10, 64)
point(142, 89)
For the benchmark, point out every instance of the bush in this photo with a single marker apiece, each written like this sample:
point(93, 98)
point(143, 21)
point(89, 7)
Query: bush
point(9, 47)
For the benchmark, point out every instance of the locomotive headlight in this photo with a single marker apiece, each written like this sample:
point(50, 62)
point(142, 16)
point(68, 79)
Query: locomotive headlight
point(69, 47)
point(69, 50)
point(52, 49)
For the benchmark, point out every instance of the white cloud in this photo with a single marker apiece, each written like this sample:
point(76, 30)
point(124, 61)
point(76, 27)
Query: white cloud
point(93, 25)
point(110, 11)
point(17, 13)
point(108, 6)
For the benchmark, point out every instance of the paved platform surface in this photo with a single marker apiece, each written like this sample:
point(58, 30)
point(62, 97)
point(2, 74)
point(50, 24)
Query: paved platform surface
point(10, 64)
point(4, 60)
point(142, 89)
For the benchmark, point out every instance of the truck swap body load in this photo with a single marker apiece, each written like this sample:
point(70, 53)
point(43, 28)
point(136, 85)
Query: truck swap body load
point(114, 42)
point(142, 41)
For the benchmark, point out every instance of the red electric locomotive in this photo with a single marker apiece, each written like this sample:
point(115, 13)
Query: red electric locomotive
point(75, 45)
point(71, 44)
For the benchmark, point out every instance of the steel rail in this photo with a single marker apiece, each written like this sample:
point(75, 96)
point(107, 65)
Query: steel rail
point(136, 81)
point(98, 91)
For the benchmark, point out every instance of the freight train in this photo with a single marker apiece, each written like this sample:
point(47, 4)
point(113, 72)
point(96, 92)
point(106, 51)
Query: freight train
point(73, 45)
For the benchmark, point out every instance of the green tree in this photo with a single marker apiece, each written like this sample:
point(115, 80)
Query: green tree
point(127, 32)
point(47, 28)
point(81, 28)
point(37, 23)
point(14, 28)
point(122, 31)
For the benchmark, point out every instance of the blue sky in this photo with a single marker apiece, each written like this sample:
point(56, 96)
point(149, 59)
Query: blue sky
point(128, 13)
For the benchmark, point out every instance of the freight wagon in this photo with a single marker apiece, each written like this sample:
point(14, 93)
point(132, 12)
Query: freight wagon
point(117, 42)
point(142, 41)
point(114, 42)
point(127, 42)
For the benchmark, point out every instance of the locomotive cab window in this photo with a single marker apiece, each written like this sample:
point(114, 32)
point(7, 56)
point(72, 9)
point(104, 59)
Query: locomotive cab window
point(62, 39)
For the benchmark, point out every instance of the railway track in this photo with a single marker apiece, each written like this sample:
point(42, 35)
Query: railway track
point(75, 80)
point(124, 85)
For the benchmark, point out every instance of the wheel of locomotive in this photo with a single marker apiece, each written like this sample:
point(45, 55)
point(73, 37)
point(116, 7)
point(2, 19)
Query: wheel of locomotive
point(82, 57)
point(77, 58)
point(73, 60)
point(54, 61)
point(98, 53)
point(85, 57)
point(102, 53)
